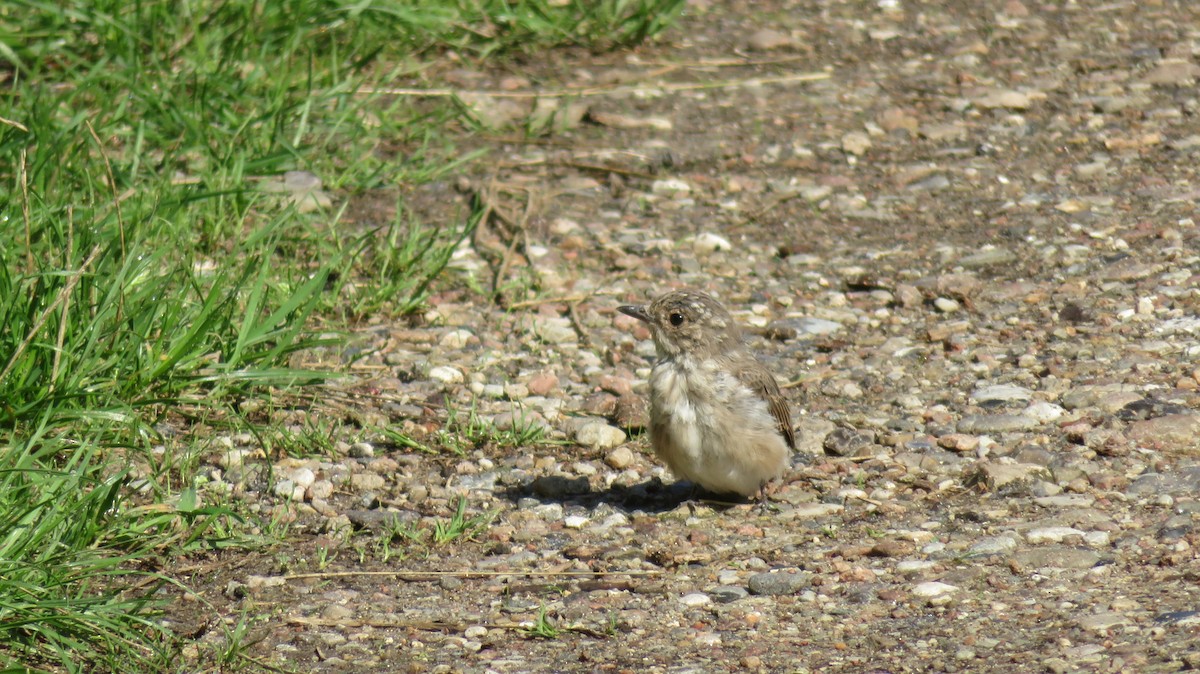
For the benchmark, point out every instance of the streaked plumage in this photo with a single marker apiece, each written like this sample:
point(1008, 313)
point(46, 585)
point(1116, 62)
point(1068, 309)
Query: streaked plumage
point(717, 415)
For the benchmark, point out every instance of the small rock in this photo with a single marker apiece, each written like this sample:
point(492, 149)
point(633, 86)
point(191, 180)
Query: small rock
point(303, 477)
point(445, 374)
point(708, 243)
point(1043, 412)
point(1012, 100)
point(856, 143)
point(996, 423)
point(1057, 557)
point(847, 441)
point(320, 490)
point(987, 258)
point(672, 187)
point(767, 39)
point(542, 384)
point(695, 600)
point(367, 481)
point(631, 412)
point(618, 386)
point(992, 545)
point(456, 339)
point(1176, 432)
point(933, 588)
point(946, 305)
point(816, 326)
point(776, 583)
point(997, 475)
point(599, 435)
point(554, 330)
point(727, 594)
point(1051, 534)
point(1001, 392)
point(1173, 73)
point(1102, 622)
point(575, 521)
point(620, 458)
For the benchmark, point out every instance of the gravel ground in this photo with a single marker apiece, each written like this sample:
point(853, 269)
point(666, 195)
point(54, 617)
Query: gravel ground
point(961, 233)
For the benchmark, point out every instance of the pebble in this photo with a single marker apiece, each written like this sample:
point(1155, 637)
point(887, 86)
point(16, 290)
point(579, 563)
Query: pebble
point(575, 521)
point(554, 330)
point(996, 423)
point(856, 143)
point(779, 582)
point(766, 39)
point(708, 243)
point(727, 594)
point(599, 435)
point(619, 458)
point(695, 600)
point(1058, 557)
point(946, 305)
point(1173, 432)
point(1001, 392)
point(1051, 534)
point(933, 588)
point(1103, 622)
point(445, 374)
point(817, 327)
point(992, 545)
point(456, 339)
point(1043, 412)
point(542, 384)
point(672, 187)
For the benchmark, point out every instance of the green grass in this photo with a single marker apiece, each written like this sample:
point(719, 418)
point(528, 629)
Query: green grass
point(543, 627)
point(459, 526)
point(150, 282)
point(467, 430)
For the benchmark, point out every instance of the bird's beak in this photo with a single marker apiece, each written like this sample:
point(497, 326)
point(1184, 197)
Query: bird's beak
point(638, 312)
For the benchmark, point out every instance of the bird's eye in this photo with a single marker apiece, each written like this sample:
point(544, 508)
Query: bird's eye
point(676, 319)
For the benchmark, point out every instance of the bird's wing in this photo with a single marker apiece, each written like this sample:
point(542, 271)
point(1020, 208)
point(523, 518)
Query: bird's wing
point(760, 380)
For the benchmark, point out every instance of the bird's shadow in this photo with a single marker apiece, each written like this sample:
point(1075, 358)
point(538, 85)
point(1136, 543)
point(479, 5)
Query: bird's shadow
point(651, 496)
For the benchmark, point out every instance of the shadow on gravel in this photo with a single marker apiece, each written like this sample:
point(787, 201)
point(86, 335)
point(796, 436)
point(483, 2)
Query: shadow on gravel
point(651, 496)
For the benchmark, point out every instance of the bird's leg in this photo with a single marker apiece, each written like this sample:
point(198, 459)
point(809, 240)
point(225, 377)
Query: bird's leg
point(765, 493)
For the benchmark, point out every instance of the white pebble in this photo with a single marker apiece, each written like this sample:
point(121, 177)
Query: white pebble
point(456, 339)
point(446, 374)
point(933, 588)
point(599, 434)
point(575, 521)
point(695, 599)
point(670, 187)
point(303, 477)
point(708, 243)
point(946, 305)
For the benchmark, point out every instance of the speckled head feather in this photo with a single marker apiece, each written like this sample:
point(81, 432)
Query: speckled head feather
point(688, 321)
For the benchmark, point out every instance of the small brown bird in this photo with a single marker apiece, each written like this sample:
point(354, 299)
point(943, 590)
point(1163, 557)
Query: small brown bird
point(717, 416)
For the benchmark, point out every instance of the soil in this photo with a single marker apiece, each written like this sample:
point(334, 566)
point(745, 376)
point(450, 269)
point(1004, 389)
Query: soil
point(961, 233)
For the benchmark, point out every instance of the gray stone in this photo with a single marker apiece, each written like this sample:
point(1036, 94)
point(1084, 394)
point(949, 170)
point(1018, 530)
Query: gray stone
point(773, 583)
point(1057, 557)
point(996, 423)
point(999, 475)
point(992, 545)
point(727, 594)
point(1001, 392)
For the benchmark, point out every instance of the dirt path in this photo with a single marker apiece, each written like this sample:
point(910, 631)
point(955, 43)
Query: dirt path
point(963, 231)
